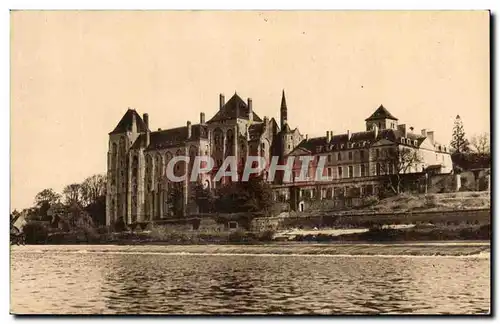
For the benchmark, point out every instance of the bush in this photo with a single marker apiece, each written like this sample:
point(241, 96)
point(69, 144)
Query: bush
point(120, 225)
point(35, 233)
point(430, 201)
point(103, 230)
point(266, 236)
point(237, 237)
point(369, 201)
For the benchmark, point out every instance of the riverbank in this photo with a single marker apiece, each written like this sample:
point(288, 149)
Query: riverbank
point(161, 235)
point(340, 249)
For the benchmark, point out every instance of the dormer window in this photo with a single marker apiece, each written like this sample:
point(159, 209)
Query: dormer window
point(415, 142)
point(402, 140)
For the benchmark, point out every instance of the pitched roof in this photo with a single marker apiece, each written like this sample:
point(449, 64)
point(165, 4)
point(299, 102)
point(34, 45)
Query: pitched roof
point(233, 105)
point(381, 113)
point(171, 137)
point(125, 123)
point(368, 136)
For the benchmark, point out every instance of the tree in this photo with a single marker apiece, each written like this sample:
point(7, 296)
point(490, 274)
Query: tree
point(175, 199)
point(481, 143)
point(72, 194)
point(44, 200)
point(46, 196)
point(458, 141)
point(93, 197)
point(92, 188)
point(248, 196)
point(203, 197)
point(397, 162)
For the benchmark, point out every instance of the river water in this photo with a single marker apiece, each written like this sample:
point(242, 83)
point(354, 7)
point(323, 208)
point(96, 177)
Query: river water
point(117, 280)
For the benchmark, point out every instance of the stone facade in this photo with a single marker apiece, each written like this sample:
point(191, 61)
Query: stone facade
point(138, 157)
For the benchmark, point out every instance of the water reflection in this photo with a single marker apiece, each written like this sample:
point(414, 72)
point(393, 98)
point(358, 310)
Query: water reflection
point(141, 283)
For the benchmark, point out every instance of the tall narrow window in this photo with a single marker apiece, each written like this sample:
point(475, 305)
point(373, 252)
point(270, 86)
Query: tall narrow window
point(329, 172)
point(339, 170)
point(329, 158)
point(350, 170)
point(339, 157)
point(350, 155)
point(362, 155)
point(377, 153)
point(378, 169)
point(362, 170)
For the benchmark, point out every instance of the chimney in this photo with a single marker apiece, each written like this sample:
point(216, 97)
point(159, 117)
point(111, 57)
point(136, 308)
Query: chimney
point(402, 128)
point(148, 137)
point(222, 101)
point(348, 135)
point(250, 109)
point(134, 123)
point(328, 136)
point(423, 132)
point(145, 117)
point(411, 129)
point(430, 135)
point(202, 118)
point(307, 137)
point(188, 124)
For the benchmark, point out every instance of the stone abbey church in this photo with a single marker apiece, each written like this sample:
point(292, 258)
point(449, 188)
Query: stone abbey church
point(137, 157)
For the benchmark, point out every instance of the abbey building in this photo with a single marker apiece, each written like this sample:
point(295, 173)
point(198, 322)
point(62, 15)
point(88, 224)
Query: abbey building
point(354, 163)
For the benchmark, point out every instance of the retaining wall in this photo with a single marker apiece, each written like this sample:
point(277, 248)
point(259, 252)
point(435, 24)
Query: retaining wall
point(448, 217)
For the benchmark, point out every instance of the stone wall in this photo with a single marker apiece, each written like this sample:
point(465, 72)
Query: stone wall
point(318, 220)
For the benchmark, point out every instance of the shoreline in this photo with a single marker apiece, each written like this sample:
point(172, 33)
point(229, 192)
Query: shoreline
point(449, 248)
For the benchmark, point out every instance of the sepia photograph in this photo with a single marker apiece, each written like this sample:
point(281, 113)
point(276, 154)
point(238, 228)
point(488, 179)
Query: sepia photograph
point(250, 162)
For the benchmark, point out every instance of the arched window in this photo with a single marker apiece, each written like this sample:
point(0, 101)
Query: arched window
point(229, 142)
point(114, 152)
point(149, 171)
point(158, 166)
point(218, 139)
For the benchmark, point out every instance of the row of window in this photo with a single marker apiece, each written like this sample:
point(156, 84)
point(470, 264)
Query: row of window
point(350, 172)
point(350, 156)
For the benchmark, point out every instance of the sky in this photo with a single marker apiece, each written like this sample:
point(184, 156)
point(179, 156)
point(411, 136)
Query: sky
point(75, 73)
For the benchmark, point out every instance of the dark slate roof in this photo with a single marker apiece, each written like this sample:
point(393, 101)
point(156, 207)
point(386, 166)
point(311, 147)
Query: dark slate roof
point(392, 135)
point(286, 129)
point(125, 123)
point(228, 111)
point(283, 100)
point(171, 137)
point(381, 113)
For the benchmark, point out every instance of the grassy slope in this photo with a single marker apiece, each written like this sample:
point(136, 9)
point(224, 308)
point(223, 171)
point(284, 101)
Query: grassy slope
point(434, 202)
point(421, 202)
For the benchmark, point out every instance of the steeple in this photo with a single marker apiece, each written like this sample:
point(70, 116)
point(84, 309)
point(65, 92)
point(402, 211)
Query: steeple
point(283, 110)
